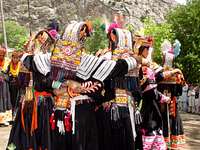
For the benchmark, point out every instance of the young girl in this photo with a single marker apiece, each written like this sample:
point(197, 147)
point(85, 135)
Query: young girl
point(13, 71)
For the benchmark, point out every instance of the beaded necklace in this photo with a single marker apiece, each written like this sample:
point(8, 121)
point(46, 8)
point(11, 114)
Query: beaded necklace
point(14, 69)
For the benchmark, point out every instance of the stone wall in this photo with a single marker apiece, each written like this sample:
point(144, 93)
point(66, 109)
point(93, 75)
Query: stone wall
point(65, 10)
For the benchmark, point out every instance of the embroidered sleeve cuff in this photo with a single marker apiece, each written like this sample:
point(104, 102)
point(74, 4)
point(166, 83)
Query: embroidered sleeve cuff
point(56, 84)
point(132, 63)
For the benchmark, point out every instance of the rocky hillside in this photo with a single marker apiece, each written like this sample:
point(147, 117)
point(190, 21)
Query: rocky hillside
point(65, 10)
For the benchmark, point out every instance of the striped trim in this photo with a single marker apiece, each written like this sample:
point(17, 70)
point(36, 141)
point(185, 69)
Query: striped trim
point(24, 57)
point(72, 31)
point(104, 70)
point(89, 64)
point(124, 38)
point(43, 62)
point(132, 63)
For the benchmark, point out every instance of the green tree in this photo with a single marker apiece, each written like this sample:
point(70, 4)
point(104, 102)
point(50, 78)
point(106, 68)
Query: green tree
point(160, 32)
point(99, 39)
point(185, 21)
point(16, 35)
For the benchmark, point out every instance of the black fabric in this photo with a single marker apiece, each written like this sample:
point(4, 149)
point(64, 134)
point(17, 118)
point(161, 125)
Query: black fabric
point(42, 133)
point(24, 79)
point(41, 137)
point(20, 137)
point(128, 83)
point(59, 141)
point(104, 129)
point(150, 111)
point(96, 96)
point(159, 77)
point(14, 91)
point(45, 104)
point(61, 74)
point(109, 91)
point(5, 101)
point(86, 134)
point(115, 135)
point(138, 139)
point(174, 89)
point(176, 124)
point(121, 131)
point(120, 69)
point(40, 82)
point(132, 84)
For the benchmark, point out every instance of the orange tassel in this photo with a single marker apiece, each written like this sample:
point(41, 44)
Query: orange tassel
point(22, 119)
point(34, 123)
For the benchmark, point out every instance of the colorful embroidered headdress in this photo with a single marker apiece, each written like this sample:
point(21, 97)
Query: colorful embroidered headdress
point(169, 52)
point(77, 31)
point(141, 41)
point(38, 42)
point(66, 55)
point(120, 41)
point(121, 38)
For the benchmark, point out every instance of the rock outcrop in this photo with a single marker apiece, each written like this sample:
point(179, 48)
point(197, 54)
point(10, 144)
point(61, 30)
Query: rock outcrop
point(66, 10)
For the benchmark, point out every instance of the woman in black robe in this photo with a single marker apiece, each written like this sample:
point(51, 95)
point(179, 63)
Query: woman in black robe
point(32, 121)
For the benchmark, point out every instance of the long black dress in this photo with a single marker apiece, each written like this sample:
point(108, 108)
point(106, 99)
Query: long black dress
point(152, 125)
point(86, 133)
point(123, 127)
point(176, 138)
point(14, 89)
point(42, 106)
point(20, 135)
point(43, 98)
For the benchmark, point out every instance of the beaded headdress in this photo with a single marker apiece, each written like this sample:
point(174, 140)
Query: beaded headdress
point(66, 55)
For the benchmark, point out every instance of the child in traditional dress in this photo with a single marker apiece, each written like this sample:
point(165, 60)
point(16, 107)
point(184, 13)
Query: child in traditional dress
point(13, 71)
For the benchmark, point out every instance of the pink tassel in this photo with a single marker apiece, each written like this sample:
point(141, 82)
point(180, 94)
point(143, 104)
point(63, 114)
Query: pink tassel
point(52, 121)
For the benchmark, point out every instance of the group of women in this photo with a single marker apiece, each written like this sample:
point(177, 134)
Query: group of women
point(115, 100)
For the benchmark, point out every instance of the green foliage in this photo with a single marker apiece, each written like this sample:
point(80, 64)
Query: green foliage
point(160, 32)
point(16, 35)
point(185, 22)
point(130, 27)
point(99, 39)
